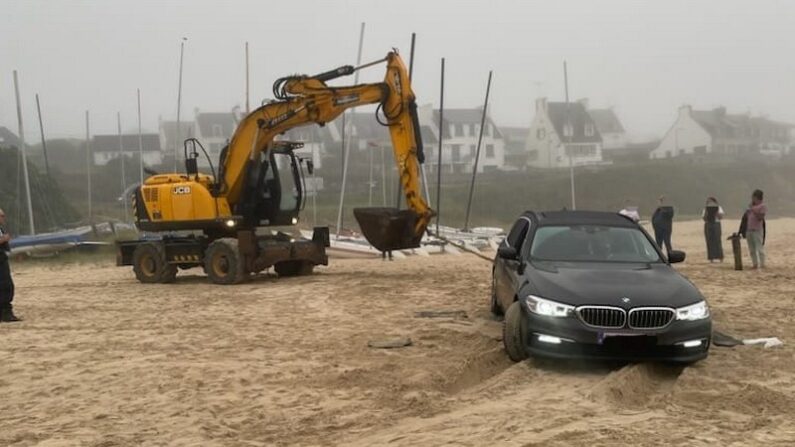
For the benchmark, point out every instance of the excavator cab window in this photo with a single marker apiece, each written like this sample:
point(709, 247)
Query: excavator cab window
point(283, 186)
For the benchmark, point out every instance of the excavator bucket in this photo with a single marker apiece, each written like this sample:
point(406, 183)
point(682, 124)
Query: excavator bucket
point(389, 228)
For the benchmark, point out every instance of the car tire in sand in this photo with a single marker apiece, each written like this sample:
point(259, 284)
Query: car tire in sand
point(293, 268)
point(513, 332)
point(150, 264)
point(223, 263)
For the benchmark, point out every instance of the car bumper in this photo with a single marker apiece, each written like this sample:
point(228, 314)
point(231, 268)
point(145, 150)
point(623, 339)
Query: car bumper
point(571, 338)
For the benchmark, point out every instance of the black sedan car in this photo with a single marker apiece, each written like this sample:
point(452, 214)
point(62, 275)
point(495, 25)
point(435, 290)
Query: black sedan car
point(584, 284)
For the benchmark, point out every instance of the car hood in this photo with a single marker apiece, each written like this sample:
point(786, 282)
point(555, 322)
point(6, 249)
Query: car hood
point(608, 284)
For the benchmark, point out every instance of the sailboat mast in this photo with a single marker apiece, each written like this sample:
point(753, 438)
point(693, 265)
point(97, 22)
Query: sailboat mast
point(22, 149)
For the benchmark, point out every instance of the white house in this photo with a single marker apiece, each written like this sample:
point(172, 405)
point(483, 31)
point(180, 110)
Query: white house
point(106, 148)
point(460, 133)
point(562, 134)
point(701, 132)
point(170, 141)
point(214, 130)
point(609, 126)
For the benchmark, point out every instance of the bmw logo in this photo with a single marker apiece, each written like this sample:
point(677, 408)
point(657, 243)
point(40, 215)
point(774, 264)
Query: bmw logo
point(625, 299)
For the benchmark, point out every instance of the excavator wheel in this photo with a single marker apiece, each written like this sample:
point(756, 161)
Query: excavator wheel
point(223, 263)
point(150, 265)
point(293, 268)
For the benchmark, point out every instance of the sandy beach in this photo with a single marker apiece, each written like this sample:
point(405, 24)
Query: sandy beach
point(102, 360)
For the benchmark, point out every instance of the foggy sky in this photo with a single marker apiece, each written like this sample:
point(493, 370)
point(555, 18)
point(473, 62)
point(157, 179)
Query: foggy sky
point(643, 58)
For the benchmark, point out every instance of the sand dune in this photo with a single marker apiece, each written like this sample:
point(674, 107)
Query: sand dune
point(102, 360)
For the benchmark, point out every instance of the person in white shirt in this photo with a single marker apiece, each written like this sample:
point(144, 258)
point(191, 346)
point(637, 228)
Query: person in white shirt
point(6, 282)
point(630, 211)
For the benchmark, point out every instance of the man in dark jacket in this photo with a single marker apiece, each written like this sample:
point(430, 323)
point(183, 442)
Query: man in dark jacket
point(663, 223)
point(6, 283)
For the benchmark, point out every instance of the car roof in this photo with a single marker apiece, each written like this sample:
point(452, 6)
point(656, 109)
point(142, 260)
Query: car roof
point(565, 217)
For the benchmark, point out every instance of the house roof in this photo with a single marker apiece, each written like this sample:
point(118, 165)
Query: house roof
point(207, 122)
point(606, 120)
point(560, 113)
point(110, 143)
point(8, 138)
point(721, 124)
point(515, 133)
point(459, 117)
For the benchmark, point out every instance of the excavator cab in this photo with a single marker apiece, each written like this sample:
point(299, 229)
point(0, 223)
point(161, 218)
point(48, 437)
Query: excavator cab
point(274, 194)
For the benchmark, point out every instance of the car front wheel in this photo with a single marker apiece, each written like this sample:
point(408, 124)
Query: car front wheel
point(513, 331)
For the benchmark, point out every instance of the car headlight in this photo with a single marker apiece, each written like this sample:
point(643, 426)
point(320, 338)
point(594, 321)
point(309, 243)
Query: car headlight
point(548, 308)
point(693, 312)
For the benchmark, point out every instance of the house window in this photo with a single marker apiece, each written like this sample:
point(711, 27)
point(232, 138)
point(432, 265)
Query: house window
point(541, 133)
point(471, 150)
point(218, 131)
point(452, 130)
point(489, 151)
point(489, 130)
point(589, 130)
point(568, 130)
point(459, 130)
point(456, 152)
point(700, 150)
point(467, 130)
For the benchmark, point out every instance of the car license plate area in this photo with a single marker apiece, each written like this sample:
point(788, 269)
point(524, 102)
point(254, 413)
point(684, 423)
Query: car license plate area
point(628, 342)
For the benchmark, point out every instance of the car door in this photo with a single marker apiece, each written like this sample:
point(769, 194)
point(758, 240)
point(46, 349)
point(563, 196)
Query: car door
point(506, 270)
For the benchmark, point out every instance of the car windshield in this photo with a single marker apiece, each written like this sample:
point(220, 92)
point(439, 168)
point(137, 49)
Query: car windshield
point(592, 243)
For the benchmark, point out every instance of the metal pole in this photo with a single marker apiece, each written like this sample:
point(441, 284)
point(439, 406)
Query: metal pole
point(568, 137)
point(477, 153)
point(23, 150)
point(383, 176)
point(422, 168)
point(439, 157)
point(140, 138)
point(43, 141)
point(88, 170)
point(248, 108)
point(178, 132)
point(346, 142)
point(121, 158)
point(370, 183)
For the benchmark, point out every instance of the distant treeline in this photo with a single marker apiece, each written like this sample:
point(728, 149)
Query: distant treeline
point(499, 196)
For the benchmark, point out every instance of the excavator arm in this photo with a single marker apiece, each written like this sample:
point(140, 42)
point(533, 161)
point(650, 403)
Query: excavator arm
point(304, 100)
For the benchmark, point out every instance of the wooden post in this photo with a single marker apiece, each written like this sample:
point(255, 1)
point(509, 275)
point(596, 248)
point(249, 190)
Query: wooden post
point(439, 156)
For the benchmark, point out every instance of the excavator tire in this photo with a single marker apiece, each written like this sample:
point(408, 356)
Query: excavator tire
point(223, 263)
point(513, 332)
point(150, 264)
point(293, 268)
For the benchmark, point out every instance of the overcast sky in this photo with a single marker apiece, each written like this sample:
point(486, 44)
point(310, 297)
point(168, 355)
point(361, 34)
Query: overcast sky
point(643, 58)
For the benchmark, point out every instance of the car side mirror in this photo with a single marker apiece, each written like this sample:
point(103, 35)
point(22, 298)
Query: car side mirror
point(506, 252)
point(676, 256)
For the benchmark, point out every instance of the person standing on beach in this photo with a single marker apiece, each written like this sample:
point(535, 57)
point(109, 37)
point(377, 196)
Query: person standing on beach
point(662, 221)
point(755, 230)
point(6, 282)
point(712, 215)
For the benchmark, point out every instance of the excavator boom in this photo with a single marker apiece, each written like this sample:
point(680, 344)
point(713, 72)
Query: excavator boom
point(305, 100)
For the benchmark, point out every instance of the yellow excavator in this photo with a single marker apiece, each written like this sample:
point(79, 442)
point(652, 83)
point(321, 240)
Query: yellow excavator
point(211, 220)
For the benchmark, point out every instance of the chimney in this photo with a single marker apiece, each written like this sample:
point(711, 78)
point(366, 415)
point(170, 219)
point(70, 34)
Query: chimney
point(584, 102)
point(685, 110)
point(541, 105)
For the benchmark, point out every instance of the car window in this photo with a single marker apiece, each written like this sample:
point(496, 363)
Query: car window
point(595, 243)
point(518, 233)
